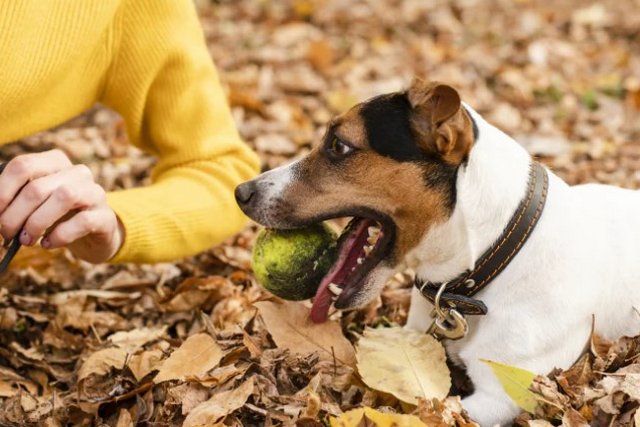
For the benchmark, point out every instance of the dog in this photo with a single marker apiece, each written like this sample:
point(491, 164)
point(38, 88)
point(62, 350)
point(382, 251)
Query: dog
point(433, 187)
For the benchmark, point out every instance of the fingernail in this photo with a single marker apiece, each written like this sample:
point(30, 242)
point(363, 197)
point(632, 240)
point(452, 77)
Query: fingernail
point(25, 238)
point(45, 243)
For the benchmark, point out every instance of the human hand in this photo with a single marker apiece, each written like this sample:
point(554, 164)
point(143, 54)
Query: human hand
point(51, 198)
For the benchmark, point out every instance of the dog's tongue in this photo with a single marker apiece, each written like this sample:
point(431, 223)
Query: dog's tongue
point(323, 299)
point(340, 269)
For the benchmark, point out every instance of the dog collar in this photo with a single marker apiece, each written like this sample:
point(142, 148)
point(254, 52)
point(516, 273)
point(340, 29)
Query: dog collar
point(456, 295)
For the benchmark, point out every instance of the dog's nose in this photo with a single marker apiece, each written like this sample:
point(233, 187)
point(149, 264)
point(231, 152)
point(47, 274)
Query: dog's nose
point(245, 192)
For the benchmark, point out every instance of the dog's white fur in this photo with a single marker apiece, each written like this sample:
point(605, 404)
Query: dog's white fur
point(581, 260)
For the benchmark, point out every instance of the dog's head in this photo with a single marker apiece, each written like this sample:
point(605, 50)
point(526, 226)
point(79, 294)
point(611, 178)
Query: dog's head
point(390, 163)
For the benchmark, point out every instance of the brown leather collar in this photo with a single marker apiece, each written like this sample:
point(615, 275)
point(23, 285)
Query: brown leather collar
point(458, 292)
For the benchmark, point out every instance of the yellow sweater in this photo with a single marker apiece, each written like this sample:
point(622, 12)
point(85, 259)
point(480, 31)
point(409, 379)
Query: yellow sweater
point(146, 59)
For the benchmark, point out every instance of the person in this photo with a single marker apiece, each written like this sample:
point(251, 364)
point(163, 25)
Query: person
point(147, 60)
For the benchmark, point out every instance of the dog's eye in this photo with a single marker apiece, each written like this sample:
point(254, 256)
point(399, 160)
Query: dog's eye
point(339, 148)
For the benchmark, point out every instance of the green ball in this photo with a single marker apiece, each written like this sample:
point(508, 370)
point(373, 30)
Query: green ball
point(291, 263)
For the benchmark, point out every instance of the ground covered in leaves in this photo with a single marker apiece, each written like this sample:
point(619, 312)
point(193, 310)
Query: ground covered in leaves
point(182, 343)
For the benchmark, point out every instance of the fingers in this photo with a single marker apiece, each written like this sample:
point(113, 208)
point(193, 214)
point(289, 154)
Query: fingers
point(45, 200)
point(28, 167)
point(84, 223)
point(62, 202)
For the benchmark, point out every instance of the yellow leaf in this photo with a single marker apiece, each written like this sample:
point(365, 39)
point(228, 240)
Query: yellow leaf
point(195, 357)
point(405, 363)
point(291, 328)
point(369, 416)
point(516, 383)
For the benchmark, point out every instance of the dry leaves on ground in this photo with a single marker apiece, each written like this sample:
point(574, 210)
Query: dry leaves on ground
point(81, 345)
point(601, 389)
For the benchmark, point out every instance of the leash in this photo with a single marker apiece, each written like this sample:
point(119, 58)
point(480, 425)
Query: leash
point(12, 246)
point(453, 300)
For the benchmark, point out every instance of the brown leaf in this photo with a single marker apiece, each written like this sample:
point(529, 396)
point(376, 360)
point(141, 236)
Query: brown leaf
point(220, 405)
point(195, 357)
point(144, 363)
point(136, 338)
point(101, 362)
point(291, 328)
point(91, 319)
point(124, 419)
point(196, 291)
point(188, 396)
point(573, 418)
point(223, 374)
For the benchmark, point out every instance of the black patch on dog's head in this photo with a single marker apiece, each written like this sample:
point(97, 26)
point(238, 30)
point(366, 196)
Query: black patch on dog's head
point(386, 122)
point(388, 130)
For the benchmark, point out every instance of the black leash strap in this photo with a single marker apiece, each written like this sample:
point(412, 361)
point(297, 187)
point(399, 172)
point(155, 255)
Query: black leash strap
point(12, 245)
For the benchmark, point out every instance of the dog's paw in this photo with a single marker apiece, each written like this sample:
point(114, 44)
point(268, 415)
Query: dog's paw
point(490, 410)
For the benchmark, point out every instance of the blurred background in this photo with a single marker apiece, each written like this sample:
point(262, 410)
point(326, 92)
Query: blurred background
point(562, 77)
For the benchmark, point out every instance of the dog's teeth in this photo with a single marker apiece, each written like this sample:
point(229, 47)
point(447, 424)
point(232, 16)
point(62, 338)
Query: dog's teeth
point(373, 231)
point(367, 250)
point(335, 289)
point(360, 260)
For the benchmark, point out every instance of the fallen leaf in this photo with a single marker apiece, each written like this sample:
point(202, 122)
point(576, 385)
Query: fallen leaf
point(572, 418)
point(445, 412)
point(136, 338)
point(365, 417)
point(62, 298)
point(291, 328)
point(142, 364)
point(220, 405)
point(223, 374)
point(195, 357)
point(101, 362)
point(631, 386)
point(92, 319)
point(405, 363)
point(188, 396)
point(516, 383)
point(6, 390)
point(124, 419)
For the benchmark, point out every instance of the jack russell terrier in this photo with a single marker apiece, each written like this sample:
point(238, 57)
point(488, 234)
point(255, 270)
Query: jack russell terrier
point(511, 262)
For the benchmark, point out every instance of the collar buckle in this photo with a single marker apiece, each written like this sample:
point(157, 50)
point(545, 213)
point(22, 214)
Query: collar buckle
point(448, 323)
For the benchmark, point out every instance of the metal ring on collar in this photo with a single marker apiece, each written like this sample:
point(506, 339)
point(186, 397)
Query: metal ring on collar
point(436, 302)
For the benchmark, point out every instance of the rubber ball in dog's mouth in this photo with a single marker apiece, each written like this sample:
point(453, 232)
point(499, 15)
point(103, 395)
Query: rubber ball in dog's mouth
point(304, 263)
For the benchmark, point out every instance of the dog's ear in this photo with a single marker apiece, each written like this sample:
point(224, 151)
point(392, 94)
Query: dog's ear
point(438, 120)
